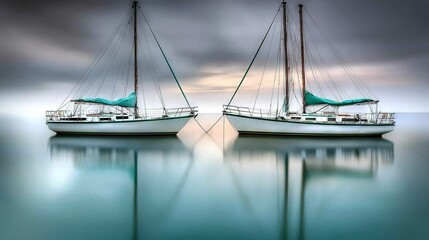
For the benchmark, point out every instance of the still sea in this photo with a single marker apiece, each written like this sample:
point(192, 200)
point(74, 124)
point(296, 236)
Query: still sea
point(213, 186)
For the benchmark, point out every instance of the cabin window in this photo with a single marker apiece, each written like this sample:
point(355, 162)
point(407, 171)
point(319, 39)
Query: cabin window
point(296, 118)
point(310, 119)
point(331, 119)
point(74, 119)
point(78, 119)
point(348, 119)
point(105, 119)
point(121, 117)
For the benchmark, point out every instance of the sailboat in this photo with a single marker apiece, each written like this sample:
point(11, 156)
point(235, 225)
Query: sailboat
point(317, 116)
point(123, 116)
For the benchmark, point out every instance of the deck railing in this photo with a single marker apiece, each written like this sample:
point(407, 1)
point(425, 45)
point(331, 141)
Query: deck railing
point(381, 117)
point(357, 118)
point(246, 111)
point(168, 112)
point(57, 115)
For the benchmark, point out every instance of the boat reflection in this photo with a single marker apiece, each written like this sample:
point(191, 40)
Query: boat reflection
point(266, 187)
point(149, 161)
point(343, 155)
point(302, 163)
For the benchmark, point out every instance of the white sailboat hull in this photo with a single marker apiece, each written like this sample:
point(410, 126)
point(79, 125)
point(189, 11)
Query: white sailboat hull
point(160, 126)
point(251, 125)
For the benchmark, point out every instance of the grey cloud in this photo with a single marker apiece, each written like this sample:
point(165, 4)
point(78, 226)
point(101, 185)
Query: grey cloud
point(199, 33)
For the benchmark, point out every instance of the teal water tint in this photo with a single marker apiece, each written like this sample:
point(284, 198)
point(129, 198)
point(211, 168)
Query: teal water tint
point(217, 186)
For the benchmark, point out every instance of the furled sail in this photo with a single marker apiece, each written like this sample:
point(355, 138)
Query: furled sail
point(129, 101)
point(311, 99)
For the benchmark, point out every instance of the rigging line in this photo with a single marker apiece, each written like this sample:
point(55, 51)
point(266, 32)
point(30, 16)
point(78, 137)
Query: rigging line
point(265, 65)
point(165, 57)
point(310, 59)
point(286, 63)
point(151, 66)
point(279, 76)
point(348, 73)
point(311, 68)
point(143, 86)
point(328, 79)
point(315, 66)
point(99, 56)
point(297, 100)
point(320, 109)
point(140, 77)
point(355, 79)
point(295, 45)
point(288, 79)
point(121, 66)
point(251, 63)
point(272, 89)
point(274, 81)
point(100, 70)
point(328, 42)
point(291, 55)
point(94, 62)
point(110, 54)
point(341, 60)
point(362, 84)
point(154, 73)
point(295, 71)
point(101, 59)
point(323, 77)
point(124, 71)
point(128, 69)
point(308, 83)
point(111, 61)
point(223, 115)
point(324, 69)
point(200, 125)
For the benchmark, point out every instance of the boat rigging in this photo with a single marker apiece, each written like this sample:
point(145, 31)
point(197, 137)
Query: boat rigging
point(79, 114)
point(317, 115)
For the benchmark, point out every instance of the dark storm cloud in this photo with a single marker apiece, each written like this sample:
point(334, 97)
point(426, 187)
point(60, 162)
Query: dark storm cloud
point(60, 22)
point(36, 34)
point(45, 40)
point(376, 30)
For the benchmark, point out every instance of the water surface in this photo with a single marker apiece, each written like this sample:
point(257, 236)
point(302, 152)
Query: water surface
point(213, 186)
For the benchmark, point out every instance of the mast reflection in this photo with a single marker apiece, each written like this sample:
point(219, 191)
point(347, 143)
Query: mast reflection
point(264, 183)
point(132, 155)
point(304, 160)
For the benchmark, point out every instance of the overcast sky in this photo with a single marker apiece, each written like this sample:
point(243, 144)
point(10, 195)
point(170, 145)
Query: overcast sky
point(45, 46)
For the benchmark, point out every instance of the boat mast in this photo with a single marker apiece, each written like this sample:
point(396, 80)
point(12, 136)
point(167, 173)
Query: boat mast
point(286, 103)
point(136, 108)
point(302, 58)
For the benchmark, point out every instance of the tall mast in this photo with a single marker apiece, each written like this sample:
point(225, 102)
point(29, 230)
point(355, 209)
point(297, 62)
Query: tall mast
point(286, 103)
point(136, 108)
point(302, 58)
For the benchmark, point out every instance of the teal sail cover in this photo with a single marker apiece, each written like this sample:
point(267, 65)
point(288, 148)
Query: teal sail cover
point(129, 101)
point(311, 99)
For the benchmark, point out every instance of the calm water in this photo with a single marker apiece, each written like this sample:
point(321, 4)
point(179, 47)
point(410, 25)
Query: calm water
point(216, 186)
